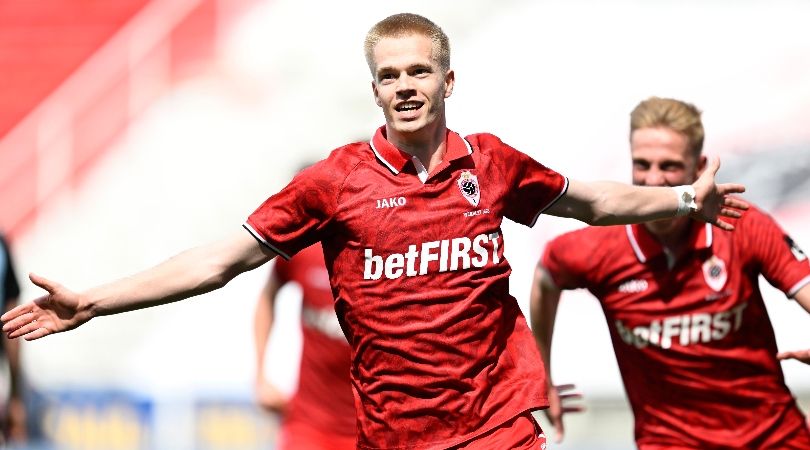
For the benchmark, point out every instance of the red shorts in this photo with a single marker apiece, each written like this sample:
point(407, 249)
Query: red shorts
point(518, 433)
point(302, 436)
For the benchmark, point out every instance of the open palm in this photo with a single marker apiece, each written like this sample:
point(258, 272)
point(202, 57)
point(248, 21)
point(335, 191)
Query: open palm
point(714, 201)
point(59, 310)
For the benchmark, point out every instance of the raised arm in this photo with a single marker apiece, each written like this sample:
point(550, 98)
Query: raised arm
point(545, 297)
point(611, 203)
point(267, 395)
point(192, 272)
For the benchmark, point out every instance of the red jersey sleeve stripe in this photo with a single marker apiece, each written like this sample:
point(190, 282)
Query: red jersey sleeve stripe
point(261, 240)
point(553, 201)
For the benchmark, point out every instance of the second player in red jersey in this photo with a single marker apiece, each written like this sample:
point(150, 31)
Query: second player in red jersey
point(692, 337)
point(321, 414)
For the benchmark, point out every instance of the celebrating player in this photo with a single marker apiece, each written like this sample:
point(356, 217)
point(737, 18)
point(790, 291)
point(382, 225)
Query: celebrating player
point(410, 224)
point(320, 415)
point(692, 337)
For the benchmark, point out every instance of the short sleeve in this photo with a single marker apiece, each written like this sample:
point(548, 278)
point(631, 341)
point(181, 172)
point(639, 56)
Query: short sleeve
point(533, 186)
point(565, 262)
point(779, 258)
point(300, 214)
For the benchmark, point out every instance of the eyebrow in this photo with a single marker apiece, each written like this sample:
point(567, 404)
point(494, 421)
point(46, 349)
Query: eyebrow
point(384, 69)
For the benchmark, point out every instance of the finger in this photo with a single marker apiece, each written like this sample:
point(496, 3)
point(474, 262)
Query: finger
point(571, 395)
point(724, 225)
point(44, 283)
point(576, 408)
point(785, 355)
point(36, 334)
point(734, 202)
point(14, 313)
point(564, 387)
point(714, 165)
point(730, 188)
point(18, 322)
point(559, 430)
point(728, 212)
point(24, 329)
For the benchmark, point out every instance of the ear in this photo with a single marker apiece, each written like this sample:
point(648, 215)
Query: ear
point(449, 82)
point(701, 164)
point(376, 94)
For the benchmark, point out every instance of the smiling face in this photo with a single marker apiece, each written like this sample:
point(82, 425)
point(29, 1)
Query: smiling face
point(410, 86)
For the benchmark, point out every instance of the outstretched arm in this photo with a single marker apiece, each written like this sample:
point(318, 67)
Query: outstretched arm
point(610, 203)
point(803, 298)
point(192, 272)
point(545, 297)
point(267, 395)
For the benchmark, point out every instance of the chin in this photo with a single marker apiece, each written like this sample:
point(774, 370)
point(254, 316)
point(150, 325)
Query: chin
point(409, 127)
point(664, 226)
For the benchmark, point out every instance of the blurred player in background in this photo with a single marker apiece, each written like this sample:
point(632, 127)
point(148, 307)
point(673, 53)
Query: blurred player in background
point(13, 411)
point(692, 337)
point(410, 224)
point(320, 415)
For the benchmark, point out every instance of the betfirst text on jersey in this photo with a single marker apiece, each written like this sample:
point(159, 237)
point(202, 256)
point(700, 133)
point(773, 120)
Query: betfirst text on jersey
point(445, 255)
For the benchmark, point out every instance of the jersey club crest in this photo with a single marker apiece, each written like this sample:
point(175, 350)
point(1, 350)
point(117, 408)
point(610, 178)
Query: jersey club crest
point(468, 184)
point(714, 271)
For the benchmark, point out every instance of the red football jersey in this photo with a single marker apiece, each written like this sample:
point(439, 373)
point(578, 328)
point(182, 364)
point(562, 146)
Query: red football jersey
point(324, 397)
point(441, 352)
point(694, 343)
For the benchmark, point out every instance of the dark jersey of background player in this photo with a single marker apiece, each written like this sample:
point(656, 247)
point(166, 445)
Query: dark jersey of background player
point(13, 411)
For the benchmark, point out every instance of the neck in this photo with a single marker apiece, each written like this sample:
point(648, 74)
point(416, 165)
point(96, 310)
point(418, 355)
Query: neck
point(671, 233)
point(428, 144)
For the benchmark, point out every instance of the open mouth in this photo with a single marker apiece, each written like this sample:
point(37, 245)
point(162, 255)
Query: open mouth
point(408, 106)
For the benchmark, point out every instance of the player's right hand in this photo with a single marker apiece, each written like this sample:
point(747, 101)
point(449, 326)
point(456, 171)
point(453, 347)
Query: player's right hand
point(270, 398)
point(559, 399)
point(798, 355)
point(60, 310)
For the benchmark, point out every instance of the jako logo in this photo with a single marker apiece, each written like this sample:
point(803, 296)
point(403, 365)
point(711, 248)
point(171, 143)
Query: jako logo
point(390, 202)
point(451, 254)
point(633, 286)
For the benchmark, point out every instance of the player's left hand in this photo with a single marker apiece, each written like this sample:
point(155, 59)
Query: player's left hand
point(798, 355)
point(559, 398)
point(270, 397)
point(714, 201)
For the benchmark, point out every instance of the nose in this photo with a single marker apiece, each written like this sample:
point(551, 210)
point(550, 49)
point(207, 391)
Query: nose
point(654, 177)
point(404, 85)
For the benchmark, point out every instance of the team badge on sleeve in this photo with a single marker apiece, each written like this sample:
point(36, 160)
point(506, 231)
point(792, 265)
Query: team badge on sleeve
point(468, 184)
point(797, 252)
point(714, 271)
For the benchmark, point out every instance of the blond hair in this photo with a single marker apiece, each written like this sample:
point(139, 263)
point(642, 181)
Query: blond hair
point(407, 24)
point(674, 114)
